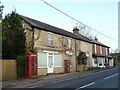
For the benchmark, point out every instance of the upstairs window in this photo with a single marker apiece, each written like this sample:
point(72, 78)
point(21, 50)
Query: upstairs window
point(69, 43)
point(106, 51)
point(50, 39)
point(95, 48)
point(100, 49)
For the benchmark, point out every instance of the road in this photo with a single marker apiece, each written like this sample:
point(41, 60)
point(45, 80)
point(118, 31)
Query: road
point(102, 79)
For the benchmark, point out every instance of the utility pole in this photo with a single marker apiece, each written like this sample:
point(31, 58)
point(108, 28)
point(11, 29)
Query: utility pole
point(1, 9)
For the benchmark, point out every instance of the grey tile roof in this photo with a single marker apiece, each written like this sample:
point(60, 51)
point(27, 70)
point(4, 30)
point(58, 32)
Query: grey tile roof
point(99, 43)
point(96, 42)
point(50, 28)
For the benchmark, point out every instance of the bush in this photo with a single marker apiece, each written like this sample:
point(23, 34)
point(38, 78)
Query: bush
point(21, 59)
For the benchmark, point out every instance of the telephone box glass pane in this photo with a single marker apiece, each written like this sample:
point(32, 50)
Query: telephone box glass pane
point(34, 66)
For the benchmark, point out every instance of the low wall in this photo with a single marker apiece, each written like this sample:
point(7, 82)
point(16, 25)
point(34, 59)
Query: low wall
point(81, 68)
point(9, 70)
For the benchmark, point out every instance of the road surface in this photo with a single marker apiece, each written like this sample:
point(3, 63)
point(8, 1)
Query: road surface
point(103, 79)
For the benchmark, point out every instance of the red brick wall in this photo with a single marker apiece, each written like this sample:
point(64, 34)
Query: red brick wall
point(98, 49)
point(104, 50)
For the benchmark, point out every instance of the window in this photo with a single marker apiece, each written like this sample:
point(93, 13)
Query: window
point(106, 51)
point(100, 49)
point(69, 43)
point(42, 59)
point(49, 39)
point(95, 48)
point(57, 60)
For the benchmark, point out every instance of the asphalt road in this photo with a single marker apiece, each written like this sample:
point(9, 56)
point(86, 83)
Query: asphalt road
point(102, 79)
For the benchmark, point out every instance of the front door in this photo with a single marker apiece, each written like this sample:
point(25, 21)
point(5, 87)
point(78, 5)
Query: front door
point(50, 62)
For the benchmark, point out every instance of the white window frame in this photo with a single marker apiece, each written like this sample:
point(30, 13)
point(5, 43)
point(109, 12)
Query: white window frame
point(106, 51)
point(69, 43)
point(50, 39)
point(100, 49)
point(95, 48)
point(54, 64)
point(53, 52)
point(48, 54)
point(42, 66)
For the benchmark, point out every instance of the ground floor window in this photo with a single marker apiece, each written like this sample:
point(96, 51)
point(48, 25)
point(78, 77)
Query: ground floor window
point(42, 59)
point(49, 59)
point(95, 61)
point(57, 60)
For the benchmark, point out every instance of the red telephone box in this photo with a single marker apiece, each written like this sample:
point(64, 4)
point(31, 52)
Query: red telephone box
point(67, 65)
point(32, 65)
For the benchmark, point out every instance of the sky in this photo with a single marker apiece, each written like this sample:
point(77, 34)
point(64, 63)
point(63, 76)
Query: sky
point(101, 15)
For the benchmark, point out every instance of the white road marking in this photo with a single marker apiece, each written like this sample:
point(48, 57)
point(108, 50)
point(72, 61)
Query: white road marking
point(32, 86)
point(83, 75)
point(41, 85)
point(57, 81)
point(76, 77)
point(111, 76)
point(85, 86)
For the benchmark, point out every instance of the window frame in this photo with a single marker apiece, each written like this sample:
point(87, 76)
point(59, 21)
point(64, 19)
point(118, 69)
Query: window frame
point(69, 43)
point(95, 48)
point(106, 49)
point(100, 49)
point(50, 40)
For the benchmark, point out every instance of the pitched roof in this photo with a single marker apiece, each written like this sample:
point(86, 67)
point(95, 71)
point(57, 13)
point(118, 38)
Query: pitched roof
point(50, 28)
point(96, 42)
point(99, 43)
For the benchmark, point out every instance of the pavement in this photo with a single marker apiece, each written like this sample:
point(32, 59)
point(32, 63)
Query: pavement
point(25, 83)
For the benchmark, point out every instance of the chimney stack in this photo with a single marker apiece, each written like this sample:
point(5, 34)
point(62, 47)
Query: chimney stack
point(76, 31)
point(96, 38)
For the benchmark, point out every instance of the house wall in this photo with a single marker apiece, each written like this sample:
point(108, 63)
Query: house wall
point(104, 50)
point(29, 34)
point(93, 48)
point(98, 49)
point(100, 59)
point(88, 50)
point(59, 44)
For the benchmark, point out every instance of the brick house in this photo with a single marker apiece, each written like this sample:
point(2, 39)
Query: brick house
point(54, 45)
point(100, 54)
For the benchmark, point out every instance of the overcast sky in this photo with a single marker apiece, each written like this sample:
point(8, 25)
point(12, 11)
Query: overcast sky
point(99, 15)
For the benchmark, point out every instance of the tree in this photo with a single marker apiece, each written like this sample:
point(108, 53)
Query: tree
point(13, 38)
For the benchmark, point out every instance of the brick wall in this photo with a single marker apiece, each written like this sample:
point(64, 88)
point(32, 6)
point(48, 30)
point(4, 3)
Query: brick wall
point(104, 50)
point(98, 49)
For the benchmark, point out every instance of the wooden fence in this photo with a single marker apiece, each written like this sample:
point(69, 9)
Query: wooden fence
point(9, 70)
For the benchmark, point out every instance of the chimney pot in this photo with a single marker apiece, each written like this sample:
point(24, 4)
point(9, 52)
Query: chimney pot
point(76, 31)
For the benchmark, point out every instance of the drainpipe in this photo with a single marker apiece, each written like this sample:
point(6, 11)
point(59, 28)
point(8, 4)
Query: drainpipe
point(33, 38)
point(75, 55)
